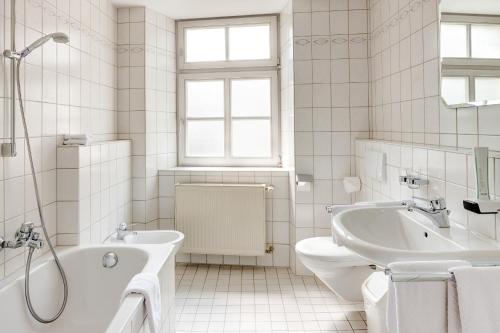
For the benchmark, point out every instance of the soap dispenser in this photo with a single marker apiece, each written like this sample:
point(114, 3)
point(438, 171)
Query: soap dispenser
point(482, 204)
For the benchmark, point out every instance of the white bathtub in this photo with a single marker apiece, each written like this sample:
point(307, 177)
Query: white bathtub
point(94, 291)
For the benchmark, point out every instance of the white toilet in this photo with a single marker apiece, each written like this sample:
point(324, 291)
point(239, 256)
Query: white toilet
point(339, 268)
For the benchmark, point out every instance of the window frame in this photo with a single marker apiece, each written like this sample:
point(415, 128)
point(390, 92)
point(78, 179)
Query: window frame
point(228, 159)
point(182, 26)
point(228, 70)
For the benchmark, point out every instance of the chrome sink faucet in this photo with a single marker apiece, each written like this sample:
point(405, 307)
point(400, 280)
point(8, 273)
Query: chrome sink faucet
point(25, 236)
point(436, 210)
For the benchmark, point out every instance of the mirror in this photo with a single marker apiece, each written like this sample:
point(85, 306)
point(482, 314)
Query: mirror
point(470, 52)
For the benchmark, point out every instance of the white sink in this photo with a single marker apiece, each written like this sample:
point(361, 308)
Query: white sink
point(154, 237)
point(387, 234)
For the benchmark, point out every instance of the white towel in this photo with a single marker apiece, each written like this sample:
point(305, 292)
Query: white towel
point(478, 298)
point(148, 285)
point(76, 136)
point(75, 142)
point(454, 324)
point(419, 306)
point(77, 139)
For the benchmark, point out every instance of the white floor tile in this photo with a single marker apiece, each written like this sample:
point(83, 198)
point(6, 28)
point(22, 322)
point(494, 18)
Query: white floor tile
point(222, 298)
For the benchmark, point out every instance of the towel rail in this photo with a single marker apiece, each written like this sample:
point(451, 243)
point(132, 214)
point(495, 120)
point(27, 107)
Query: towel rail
point(428, 276)
point(417, 277)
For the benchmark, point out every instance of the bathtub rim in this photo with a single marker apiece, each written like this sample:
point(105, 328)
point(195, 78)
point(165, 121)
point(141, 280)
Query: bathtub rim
point(153, 251)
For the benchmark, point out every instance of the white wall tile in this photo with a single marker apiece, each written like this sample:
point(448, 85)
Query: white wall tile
point(456, 168)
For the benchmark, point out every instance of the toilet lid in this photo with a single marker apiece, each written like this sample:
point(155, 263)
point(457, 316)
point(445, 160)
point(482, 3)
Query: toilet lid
point(325, 249)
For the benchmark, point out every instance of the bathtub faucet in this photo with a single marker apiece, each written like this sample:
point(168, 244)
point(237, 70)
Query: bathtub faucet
point(25, 236)
point(123, 230)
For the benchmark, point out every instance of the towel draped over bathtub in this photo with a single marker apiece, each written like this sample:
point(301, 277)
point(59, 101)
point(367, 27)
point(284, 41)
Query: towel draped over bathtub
point(148, 285)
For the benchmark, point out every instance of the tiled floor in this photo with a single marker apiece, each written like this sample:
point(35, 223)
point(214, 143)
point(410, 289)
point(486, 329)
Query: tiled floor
point(212, 298)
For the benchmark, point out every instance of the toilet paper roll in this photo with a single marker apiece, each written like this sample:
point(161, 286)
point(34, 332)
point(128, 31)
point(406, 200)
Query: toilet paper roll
point(352, 184)
point(303, 182)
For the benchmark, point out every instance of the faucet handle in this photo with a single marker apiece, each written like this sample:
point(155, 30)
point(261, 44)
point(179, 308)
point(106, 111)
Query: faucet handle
point(435, 204)
point(26, 227)
point(24, 232)
point(35, 241)
point(438, 204)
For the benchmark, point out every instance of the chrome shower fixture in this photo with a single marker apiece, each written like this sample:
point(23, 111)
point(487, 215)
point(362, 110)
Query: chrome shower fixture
point(8, 149)
point(25, 235)
point(58, 37)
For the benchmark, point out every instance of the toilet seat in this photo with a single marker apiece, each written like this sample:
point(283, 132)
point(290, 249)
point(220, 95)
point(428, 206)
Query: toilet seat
point(325, 250)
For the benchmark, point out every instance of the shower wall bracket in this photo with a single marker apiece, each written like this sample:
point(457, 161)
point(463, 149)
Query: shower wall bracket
point(8, 149)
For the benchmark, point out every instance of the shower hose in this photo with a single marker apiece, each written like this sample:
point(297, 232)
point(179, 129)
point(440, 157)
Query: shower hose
point(42, 222)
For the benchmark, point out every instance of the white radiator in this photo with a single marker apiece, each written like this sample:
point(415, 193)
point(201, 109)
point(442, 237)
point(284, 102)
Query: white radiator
point(225, 219)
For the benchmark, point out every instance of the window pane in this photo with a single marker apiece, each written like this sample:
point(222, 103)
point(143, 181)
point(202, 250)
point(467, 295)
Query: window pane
point(487, 88)
point(251, 98)
point(205, 98)
point(485, 41)
point(205, 44)
point(455, 90)
point(205, 138)
point(249, 43)
point(453, 40)
point(251, 138)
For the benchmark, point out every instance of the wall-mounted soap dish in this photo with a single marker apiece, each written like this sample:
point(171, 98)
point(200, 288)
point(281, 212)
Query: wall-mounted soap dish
point(482, 206)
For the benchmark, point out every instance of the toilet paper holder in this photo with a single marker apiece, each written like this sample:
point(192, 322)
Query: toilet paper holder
point(303, 182)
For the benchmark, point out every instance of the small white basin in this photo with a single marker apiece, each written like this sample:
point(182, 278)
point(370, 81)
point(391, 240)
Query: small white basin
point(154, 237)
point(387, 234)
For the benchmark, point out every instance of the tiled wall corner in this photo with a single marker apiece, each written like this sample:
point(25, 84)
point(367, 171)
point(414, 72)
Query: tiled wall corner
point(277, 211)
point(147, 103)
point(288, 115)
point(93, 191)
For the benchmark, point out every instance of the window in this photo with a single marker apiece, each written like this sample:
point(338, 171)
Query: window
point(483, 43)
point(228, 92)
point(455, 90)
point(454, 40)
point(487, 88)
point(485, 40)
point(470, 51)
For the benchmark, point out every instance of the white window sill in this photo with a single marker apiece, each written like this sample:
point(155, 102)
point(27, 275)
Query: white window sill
point(169, 171)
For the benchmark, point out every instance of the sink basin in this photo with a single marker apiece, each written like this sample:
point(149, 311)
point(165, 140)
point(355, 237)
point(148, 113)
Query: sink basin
point(154, 237)
point(387, 234)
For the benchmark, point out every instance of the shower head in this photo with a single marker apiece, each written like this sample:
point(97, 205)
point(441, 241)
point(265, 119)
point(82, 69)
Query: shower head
point(58, 37)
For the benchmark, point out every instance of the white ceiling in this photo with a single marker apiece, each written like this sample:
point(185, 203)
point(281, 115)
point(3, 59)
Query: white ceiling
point(491, 7)
point(182, 9)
